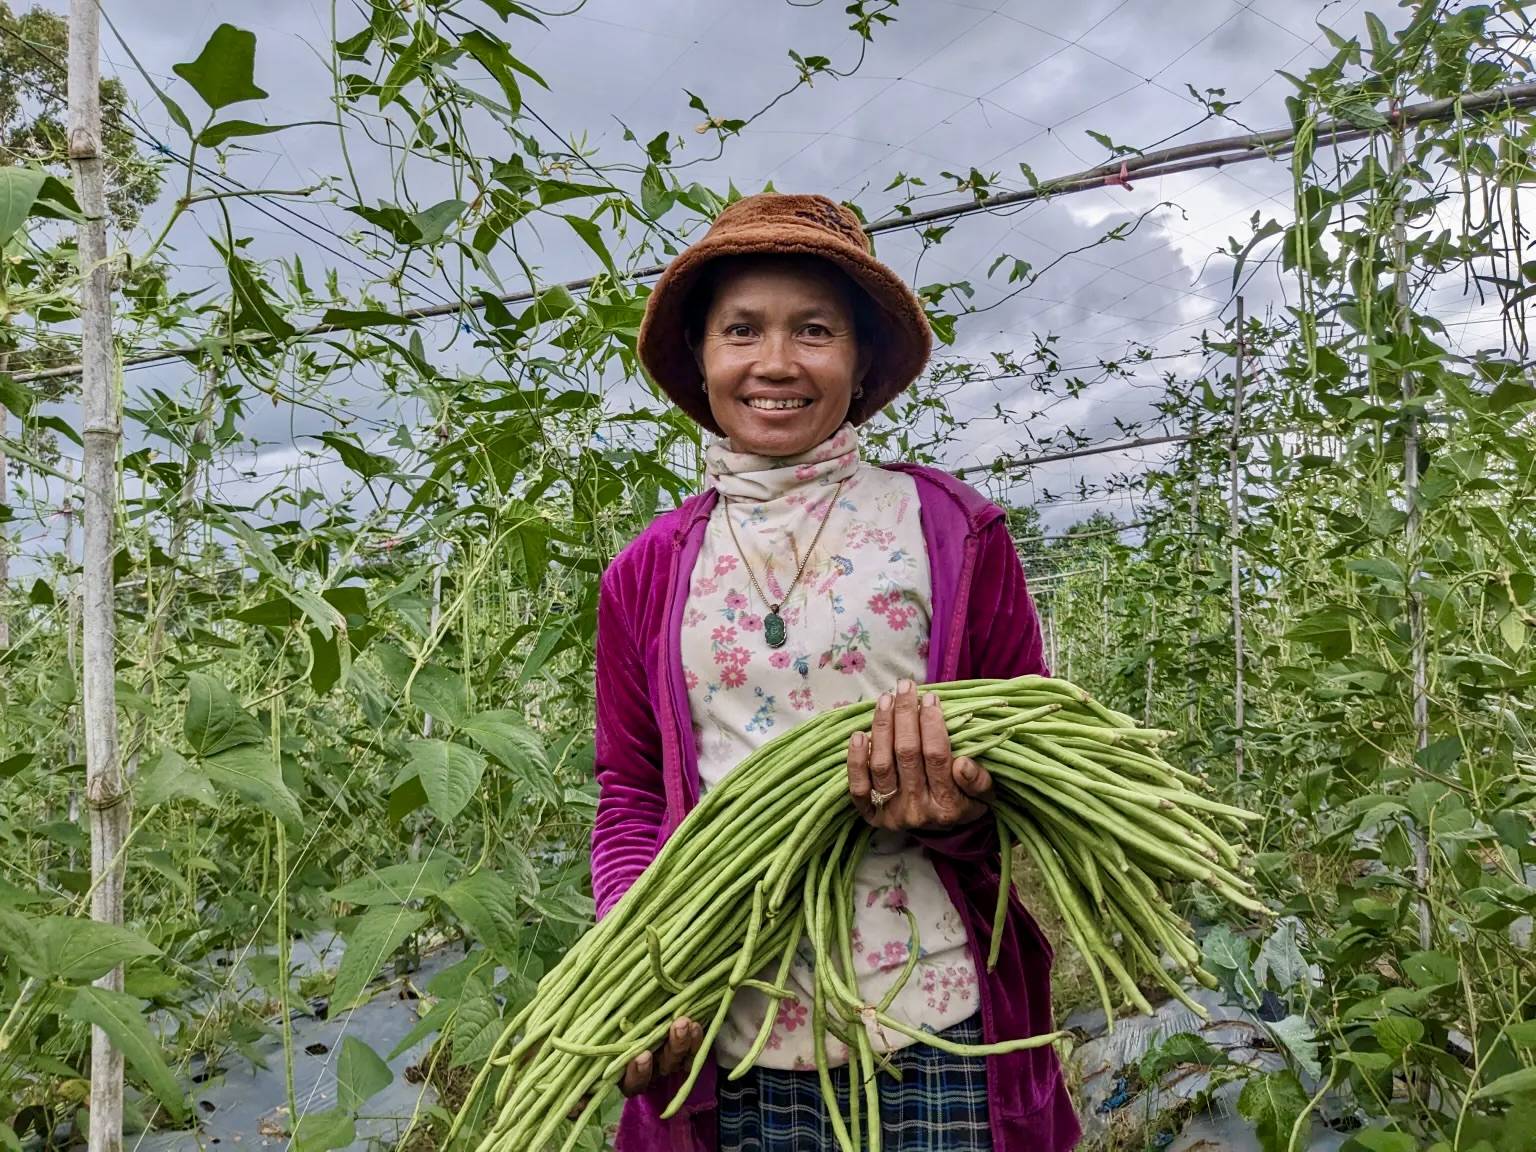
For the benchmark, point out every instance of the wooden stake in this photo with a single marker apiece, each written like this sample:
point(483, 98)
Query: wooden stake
point(1235, 556)
point(1416, 632)
point(104, 791)
point(5, 539)
point(1192, 715)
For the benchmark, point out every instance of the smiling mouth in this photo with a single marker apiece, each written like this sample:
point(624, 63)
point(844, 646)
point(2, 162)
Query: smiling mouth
point(771, 404)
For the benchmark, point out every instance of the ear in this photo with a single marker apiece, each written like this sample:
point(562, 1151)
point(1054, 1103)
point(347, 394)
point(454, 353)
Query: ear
point(697, 348)
point(865, 362)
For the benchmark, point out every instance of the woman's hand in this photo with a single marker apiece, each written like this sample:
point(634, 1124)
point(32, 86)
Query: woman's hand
point(675, 1053)
point(906, 760)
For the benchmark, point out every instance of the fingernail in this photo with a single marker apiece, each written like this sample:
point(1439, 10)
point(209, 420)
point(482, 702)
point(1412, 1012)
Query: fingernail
point(643, 1060)
point(903, 686)
point(931, 699)
point(968, 770)
point(858, 741)
point(884, 703)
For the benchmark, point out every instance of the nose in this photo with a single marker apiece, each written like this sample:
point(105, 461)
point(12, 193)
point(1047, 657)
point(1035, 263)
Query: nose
point(776, 356)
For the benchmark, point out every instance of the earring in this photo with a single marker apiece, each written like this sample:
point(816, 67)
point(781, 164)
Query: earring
point(858, 393)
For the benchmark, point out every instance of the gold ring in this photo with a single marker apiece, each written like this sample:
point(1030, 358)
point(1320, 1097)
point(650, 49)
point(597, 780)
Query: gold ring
point(879, 799)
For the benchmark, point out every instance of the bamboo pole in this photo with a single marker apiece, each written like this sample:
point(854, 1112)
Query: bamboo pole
point(105, 795)
point(1235, 553)
point(72, 652)
point(5, 537)
point(1191, 709)
point(1416, 631)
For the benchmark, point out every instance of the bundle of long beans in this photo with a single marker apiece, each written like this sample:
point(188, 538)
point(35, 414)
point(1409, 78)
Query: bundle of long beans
point(768, 857)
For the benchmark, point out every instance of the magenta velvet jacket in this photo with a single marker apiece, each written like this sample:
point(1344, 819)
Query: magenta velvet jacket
point(984, 625)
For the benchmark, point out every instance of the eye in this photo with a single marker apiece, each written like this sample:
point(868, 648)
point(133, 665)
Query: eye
point(738, 331)
point(817, 331)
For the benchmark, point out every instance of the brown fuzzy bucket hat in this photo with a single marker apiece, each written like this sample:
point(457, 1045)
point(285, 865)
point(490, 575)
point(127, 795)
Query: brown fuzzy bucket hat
point(781, 224)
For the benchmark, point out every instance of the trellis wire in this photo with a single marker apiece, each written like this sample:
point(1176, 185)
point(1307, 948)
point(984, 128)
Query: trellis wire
point(1161, 162)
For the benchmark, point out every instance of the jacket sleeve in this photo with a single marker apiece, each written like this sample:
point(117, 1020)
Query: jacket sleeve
point(1003, 628)
point(631, 798)
point(1003, 640)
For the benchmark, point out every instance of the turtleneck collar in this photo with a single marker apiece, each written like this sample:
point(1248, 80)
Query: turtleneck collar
point(745, 476)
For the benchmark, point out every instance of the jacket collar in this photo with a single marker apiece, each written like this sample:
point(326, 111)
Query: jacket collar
point(972, 506)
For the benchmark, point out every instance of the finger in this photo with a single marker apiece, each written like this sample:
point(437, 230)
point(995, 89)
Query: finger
point(938, 765)
point(679, 1046)
point(637, 1076)
point(858, 769)
point(972, 778)
point(910, 775)
point(882, 753)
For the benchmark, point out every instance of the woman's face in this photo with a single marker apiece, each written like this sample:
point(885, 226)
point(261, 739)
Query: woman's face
point(779, 354)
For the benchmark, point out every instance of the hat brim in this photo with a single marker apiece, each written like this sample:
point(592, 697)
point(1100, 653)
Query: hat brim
point(900, 348)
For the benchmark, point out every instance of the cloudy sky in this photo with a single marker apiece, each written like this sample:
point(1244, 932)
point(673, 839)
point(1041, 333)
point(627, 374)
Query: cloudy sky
point(948, 85)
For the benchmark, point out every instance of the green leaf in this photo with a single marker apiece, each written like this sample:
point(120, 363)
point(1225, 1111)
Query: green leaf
point(354, 319)
point(214, 720)
point(224, 72)
point(1512, 629)
point(1280, 956)
point(370, 943)
point(450, 774)
point(593, 236)
point(1430, 969)
point(1381, 1140)
point(18, 192)
point(1514, 1084)
point(543, 648)
point(655, 198)
point(1272, 1103)
point(1225, 954)
point(1297, 1037)
point(170, 777)
point(1396, 1034)
point(121, 1017)
point(252, 773)
point(395, 884)
point(476, 1025)
point(357, 458)
point(321, 613)
point(433, 222)
point(15, 398)
point(489, 906)
point(494, 56)
point(216, 134)
point(70, 948)
point(1368, 1061)
point(505, 736)
point(324, 1131)
point(360, 1074)
point(12, 765)
point(1174, 1052)
point(254, 308)
point(440, 692)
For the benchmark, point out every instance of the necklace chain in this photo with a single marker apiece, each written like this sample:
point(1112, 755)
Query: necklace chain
point(804, 560)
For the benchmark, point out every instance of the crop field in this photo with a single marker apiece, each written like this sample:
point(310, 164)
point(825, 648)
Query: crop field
point(306, 490)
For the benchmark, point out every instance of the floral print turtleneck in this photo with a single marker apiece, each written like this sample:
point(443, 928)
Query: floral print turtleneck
point(857, 622)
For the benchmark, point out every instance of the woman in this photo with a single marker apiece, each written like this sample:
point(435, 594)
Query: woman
point(800, 580)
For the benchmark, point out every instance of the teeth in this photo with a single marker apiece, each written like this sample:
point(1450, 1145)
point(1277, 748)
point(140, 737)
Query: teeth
point(770, 404)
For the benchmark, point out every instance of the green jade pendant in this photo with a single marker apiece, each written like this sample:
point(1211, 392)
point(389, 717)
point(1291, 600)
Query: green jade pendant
point(773, 628)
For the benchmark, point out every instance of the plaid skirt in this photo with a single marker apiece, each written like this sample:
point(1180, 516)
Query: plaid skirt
point(938, 1105)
